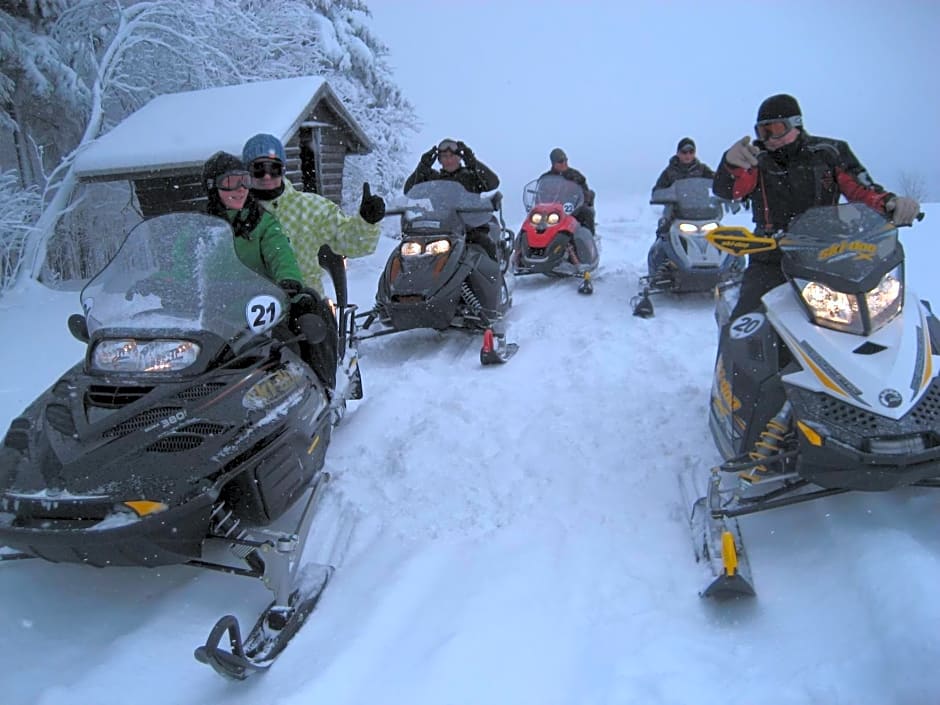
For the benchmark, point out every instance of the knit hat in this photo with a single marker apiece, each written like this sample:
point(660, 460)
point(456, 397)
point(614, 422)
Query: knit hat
point(263, 146)
point(216, 165)
point(779, 106)
point(558, 155)
point(685, 142)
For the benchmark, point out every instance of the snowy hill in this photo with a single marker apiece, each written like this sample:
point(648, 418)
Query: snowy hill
point(510, 534)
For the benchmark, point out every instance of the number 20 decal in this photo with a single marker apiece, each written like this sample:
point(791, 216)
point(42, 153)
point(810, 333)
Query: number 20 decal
point(262, 312)
point(746, 325)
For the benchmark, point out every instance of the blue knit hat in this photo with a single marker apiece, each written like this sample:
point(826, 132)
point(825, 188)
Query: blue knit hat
point(263, 146)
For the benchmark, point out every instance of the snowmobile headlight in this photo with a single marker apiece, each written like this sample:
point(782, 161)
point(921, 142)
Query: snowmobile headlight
point(831, 308)
point(709, 226)
point(438, 247)
point(688, 228)
point(536, 218)
point(553, 218)
point(884, 301)
point(411, 248)
point(130, 355)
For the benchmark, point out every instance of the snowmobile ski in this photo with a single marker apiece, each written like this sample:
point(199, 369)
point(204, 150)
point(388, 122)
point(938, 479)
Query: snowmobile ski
point(716, 540)
point(268, 638)
point(495, 349)
point(587, 286)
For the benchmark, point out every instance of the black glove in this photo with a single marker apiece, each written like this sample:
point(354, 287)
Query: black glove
point(291, 287)
point(372, 208)
point(427, 159)
point(466, 153)
point(300, 298)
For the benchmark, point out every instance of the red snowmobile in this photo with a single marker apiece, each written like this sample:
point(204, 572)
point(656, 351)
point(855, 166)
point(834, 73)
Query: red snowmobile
point(552, 241)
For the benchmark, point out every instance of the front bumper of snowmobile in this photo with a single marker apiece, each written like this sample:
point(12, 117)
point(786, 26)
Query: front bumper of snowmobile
point(551, 259)
point(409, 312)
point(57, 531)
point(842, 446)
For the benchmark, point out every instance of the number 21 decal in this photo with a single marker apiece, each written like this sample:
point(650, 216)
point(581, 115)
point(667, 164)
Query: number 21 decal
point(262, 312)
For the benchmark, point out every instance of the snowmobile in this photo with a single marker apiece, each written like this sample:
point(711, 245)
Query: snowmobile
point(552, 241)
point(685, 262)
point(449, 271)
point(191, 426)
point(830, 386)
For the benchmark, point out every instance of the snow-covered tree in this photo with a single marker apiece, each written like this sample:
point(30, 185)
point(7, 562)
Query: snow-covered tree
point(42, 99)
point(20, 210)
point(116, 56)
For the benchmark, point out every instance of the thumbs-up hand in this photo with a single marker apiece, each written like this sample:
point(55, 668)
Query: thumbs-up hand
point(371, 208)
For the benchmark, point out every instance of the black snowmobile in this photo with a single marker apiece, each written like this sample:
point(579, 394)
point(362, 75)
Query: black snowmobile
point(830, 386)
point(450, 270)
point(192, 424)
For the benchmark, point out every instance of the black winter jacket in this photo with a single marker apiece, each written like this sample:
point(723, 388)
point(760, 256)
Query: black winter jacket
point(811, 171)
point(476, 178)
point(677, 171)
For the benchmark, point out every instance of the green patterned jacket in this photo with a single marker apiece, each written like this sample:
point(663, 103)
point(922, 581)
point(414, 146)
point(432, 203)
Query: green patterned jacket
point(311, 221)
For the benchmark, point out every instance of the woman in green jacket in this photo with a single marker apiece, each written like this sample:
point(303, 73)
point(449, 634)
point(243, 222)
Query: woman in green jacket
point(261, 244)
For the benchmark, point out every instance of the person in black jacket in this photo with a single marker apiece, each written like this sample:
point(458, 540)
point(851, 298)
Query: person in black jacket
point(784, 173)
point(682, 165)
point(559, 160)
point(474, 175)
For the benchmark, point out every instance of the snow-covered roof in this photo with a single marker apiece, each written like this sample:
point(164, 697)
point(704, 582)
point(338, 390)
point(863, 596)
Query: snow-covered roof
point(179, 131)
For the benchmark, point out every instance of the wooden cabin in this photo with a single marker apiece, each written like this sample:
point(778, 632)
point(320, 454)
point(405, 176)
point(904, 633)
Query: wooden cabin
point(161, 147)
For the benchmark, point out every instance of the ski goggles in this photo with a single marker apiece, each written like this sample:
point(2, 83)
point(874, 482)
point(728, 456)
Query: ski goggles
point(687, 150)
point(260, 169)
point(776, 127)
point(232, 181)
point(448, 146)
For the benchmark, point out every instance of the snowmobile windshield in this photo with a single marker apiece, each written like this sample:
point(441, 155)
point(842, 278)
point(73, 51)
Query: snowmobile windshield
point(848, 243)
point(437, 201)
point(180, 272)
point(693, 199)
point(553, 188)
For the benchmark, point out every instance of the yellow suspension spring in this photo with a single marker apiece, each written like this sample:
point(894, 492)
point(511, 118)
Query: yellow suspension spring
point(770, 442)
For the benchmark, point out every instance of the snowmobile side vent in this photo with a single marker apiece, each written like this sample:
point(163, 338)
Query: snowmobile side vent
point(204, 428)
point(142, 420)
point(110, 396)
point(18, 435)
point(869, 348)
point(927, 410)
point(858, 422)
point(200, 391)
point(175, 443)
point(60, 418)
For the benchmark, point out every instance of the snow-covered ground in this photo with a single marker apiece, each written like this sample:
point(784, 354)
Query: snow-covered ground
point(517, 534)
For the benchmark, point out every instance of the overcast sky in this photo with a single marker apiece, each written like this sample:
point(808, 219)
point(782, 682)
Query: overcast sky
point(618, 84)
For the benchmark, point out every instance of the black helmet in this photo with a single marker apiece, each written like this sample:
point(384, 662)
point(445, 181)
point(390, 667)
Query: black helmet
point(779, 106)
point(216, 165)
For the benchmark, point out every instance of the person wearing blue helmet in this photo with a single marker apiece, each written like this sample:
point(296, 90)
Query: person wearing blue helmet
point(310, 220)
